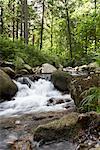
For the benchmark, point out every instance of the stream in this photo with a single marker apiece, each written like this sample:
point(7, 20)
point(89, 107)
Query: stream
point(32, 98)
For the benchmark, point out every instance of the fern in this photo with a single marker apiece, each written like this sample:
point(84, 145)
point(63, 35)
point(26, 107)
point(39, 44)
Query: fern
point(91, 100)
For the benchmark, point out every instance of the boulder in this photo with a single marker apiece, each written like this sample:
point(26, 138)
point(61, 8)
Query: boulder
point(57, 129)
point(28, 68)
point(47, 68)
point(61, 80)
point(7, 87)
point(80, 84)
point(90, 68)
point(73, 126)
point(9, 71)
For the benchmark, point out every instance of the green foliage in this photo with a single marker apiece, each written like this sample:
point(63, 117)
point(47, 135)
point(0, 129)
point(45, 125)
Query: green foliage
point(91, 100)
point(20, 53)
point(84, 20)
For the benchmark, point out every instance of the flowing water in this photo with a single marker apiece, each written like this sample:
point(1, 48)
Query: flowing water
point(34, 99)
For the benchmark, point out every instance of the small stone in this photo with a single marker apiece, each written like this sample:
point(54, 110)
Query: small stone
point(17, 122)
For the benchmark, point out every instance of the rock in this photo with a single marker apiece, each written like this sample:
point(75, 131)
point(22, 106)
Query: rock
point(22, 145)
point(36, 70)
point(92, 67)
point(54, 101)
point(82, 83)
point(57, 129)
point(61, 80)
point(60, 67)
point(7, 87)
point(25, 80)
point(23, 72)
point(85, 119)
point(9, 71)
point(83, 68)
point(48, 68)
point(7, 64)
point(28, 68)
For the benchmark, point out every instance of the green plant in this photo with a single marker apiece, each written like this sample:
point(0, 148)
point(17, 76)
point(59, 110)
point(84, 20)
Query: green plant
point(91, 100)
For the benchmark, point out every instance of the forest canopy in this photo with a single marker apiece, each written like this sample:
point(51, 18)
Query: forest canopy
point(56, 31)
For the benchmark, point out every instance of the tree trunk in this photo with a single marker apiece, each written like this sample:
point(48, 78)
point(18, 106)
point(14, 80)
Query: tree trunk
point(68, 29)
point(13, 26)
point(52, 25)
point(1, 19)
point(33, 39)
point(21, 20)
point(42, 26)
point(95, 24)
point(86, 42)
point(17, 22)
point(25, 22)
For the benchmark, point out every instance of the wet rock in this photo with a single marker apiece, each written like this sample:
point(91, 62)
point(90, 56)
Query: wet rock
point(25, 80)
point(23, 72)
point(7, 87)
point(57, 129)
point(9, 71)
point(54, 101)
point(48, 68)
point(7, 64)
point(61, 80)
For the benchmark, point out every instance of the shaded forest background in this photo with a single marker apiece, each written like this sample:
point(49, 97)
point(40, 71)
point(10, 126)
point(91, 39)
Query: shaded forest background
point(55, 31)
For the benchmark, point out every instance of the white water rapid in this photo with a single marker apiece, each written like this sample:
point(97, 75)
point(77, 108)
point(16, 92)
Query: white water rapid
point(34, 99)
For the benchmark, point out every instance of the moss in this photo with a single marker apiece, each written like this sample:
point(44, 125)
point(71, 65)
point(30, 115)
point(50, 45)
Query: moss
point(62, 128)
point(61, 80)
point(7, 87)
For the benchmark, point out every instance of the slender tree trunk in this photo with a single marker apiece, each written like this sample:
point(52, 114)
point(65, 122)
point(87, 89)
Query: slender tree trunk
point(86, 42)
point(1, 19)
point(95, 25)
point(25, 22)
point(13, 26)
point(17, 25)
point(42, 26)
point(52, 25)
point(68, 29)
point(21, 21)
point(17, 22)
point(33, 39)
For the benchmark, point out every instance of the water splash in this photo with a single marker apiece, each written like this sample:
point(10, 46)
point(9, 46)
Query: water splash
point(33, 99)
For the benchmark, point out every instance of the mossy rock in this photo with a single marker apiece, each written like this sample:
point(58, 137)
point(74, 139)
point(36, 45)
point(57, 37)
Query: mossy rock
point(61, 80)
point(7, 87)
point(62, 128)
point(81, 84)
point(9, 71)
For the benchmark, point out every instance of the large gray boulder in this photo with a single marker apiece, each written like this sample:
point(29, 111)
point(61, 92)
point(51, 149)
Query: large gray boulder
point(48, 68)
point(61, 80)
point(7, 87)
